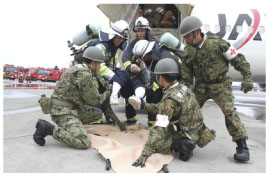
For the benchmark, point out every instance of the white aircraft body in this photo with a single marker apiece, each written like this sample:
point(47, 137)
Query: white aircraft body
point(243, 28)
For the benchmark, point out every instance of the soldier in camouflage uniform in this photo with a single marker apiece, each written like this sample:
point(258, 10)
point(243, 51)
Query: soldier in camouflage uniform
point(76, 102)
point(207, 58)
point(110, 41)
point(179, 123)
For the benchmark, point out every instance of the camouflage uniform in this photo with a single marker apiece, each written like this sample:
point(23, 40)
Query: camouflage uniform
point(208, 64)
point(185, 119)
point(76, 102)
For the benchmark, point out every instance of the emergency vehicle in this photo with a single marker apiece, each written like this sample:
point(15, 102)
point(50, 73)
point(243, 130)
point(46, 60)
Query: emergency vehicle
point(51, 75)
point(10, 72)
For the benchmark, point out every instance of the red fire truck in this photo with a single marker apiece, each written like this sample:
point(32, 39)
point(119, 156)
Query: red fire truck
point(35, 73)
point(51, 75)
point(10, 72)
point(22, 73)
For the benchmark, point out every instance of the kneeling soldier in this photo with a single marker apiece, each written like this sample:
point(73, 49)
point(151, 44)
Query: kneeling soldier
point(76, 102)
point(179, 124)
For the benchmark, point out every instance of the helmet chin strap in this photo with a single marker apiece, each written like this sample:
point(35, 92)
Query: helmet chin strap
point(94, 65)
point(194, 37)
point(95, 68)
point(157, 79)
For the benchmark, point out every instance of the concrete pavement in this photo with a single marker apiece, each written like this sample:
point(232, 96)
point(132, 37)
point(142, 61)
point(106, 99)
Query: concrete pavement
point(22, 155)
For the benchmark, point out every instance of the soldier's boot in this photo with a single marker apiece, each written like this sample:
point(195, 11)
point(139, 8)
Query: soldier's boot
point(242, 152)
point(43, 128)
point(185, 148)
point(186, 151)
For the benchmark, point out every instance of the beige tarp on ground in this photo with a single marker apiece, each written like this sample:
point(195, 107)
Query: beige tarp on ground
point(123, 148)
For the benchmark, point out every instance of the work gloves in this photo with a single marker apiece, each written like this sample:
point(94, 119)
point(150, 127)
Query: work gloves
point(140, 161)
point(247, 84)
point(137, 103)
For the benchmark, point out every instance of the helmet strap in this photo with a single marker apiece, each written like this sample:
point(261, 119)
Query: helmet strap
point(95, 68)
point(157, 77)
point(194, 37)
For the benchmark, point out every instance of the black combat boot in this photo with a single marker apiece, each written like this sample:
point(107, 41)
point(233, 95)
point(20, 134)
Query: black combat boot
point(242, 152)
point(185, 148)
point(43, 128)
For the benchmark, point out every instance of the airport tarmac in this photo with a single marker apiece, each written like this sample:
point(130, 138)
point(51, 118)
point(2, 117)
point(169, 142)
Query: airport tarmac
point(22, 155)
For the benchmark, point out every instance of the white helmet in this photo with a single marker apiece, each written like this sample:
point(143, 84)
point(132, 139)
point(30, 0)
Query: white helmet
point(120, 28)
point(159, 9)
point(141, 22)
point(148, 11)
point(142, 47)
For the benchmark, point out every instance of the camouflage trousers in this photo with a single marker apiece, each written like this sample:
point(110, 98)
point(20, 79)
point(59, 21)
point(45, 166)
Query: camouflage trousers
point(109, 113)
point(221, 93)
point(160, 139)
point(158, 142)
point(70, 129)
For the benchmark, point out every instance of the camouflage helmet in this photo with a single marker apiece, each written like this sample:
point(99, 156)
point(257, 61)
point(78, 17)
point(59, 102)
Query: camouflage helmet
point(189, 24)
point(94, 53)
point(166, 66)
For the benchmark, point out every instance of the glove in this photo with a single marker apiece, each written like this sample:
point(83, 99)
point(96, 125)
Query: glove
point(135, 69)
point(247, 85)
point(140, 161)
point(122, 126)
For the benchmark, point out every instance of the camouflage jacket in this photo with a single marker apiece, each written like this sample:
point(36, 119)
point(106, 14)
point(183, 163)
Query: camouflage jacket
point(209, 62)
point(185, 119)
point(183, 111)
point(75, 88)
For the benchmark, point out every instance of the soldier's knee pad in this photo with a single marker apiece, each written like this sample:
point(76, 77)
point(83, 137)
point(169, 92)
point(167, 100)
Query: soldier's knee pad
point(85, 143)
